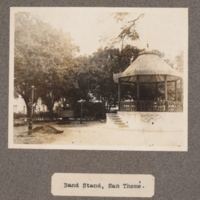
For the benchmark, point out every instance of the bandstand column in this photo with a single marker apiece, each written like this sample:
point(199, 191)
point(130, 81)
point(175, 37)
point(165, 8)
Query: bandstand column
point(175, 87)
point(156, 90)
point(138, 92)
point(181, 85)
point(138, 89)
point(166, 97)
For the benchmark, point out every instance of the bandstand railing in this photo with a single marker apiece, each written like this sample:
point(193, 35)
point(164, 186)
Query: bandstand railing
point(175, 106)
point(128, 105)
point(151, 106)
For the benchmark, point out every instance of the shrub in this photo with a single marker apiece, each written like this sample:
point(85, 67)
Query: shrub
point(19, 115)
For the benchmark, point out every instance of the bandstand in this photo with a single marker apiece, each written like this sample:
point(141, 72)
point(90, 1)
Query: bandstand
point(160, 112)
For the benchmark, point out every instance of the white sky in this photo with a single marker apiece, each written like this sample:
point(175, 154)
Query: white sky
point(165, 29)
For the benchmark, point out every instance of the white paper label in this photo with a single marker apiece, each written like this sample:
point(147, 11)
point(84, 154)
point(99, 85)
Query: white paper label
point(103, 185)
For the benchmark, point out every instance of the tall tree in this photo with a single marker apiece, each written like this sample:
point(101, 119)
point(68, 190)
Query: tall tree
point(78, 80)
point(109, 60)
point(96, 73)
point(42, 56)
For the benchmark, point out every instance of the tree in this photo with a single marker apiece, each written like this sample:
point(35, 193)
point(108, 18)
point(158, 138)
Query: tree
point(100, 67)
point(169, 62)
point(128, 31)
point(95, 73)
point(179, 61)
point(43, 56)
point(75, 82)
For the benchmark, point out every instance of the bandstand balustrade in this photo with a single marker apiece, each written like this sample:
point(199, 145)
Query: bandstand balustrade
point(151, 106)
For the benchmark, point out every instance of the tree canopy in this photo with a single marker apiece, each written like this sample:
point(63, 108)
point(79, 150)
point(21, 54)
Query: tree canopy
point(43, 56)
point(95, 73)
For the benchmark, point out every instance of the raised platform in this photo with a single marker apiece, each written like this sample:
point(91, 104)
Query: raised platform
point(147, 121)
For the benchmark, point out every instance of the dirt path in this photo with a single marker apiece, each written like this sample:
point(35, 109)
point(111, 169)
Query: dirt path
point(98, 134)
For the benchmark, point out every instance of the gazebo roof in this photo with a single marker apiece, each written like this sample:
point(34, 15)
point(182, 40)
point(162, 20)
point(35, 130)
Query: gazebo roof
point(150, 67)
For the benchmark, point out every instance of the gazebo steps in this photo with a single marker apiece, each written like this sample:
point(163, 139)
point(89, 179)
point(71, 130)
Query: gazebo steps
point(116, 120)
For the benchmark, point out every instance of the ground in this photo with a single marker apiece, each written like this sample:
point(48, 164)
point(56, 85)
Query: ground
point(97, 133)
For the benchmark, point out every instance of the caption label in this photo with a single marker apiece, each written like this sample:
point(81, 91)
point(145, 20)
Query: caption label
point(107, 185)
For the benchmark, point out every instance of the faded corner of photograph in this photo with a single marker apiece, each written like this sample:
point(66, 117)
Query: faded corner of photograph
point(99, 78)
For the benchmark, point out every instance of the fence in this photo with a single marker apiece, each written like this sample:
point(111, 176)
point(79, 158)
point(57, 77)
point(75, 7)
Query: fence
point(151, 106)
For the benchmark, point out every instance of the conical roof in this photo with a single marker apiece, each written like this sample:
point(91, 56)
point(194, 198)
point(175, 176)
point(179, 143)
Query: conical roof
point(151, 68)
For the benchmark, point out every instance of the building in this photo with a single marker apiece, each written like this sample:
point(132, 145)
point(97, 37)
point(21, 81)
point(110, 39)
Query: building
point(19, 105)
point(39, 106)
point(158, 113)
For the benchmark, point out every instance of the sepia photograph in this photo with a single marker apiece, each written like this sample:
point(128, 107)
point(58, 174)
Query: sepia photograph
point(88, 78)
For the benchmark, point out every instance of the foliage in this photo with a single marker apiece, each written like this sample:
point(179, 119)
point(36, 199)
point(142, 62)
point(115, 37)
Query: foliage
point(94, 74)
point(89, 110)
point(128, 31)
point(19, 115)
point(179, 61)
point(43, 56)
point(41, 116)
point(119, 16)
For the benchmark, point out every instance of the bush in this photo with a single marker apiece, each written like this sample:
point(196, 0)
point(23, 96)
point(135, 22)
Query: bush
point(19, 115)
point(91, 109)
point(44, 115)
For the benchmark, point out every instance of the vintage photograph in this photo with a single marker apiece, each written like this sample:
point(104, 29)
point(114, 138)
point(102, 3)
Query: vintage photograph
point(89, 78)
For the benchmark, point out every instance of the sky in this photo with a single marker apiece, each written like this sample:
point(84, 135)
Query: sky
point(164, 29)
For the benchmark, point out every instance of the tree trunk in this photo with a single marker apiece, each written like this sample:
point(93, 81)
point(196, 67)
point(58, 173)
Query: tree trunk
point(51, 113)
point(50, 108)
point(103, 109)
point(26, 100)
